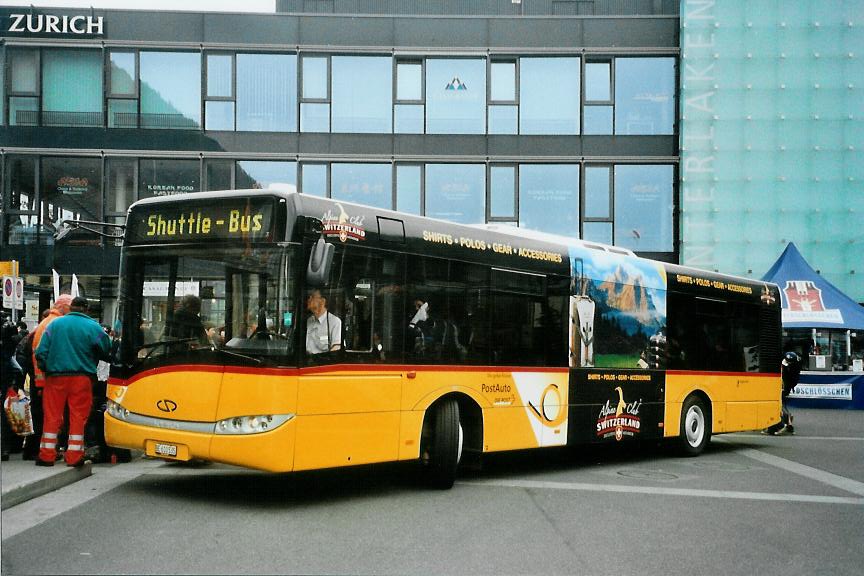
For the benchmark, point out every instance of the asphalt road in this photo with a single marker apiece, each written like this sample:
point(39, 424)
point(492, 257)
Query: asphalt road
point(750, 505)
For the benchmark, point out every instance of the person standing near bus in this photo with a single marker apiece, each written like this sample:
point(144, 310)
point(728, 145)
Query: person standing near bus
point(68, 353)
point(790, 372)
point(323, 329)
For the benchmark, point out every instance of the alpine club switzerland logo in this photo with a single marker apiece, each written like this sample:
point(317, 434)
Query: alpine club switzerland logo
point(619, 420)
point(343, 226)
point(805, 303)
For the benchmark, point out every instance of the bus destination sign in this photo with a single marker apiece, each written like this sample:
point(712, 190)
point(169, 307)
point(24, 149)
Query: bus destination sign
point(246, 219)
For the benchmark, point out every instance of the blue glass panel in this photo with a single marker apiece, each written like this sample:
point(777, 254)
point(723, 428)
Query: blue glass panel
point(598, 79)
point(597, 192)
point(503, 119)
point(123, 73)
point(273, 175)
point(644, 95)
point(643, 207)
point(502, 192)
point(456, 96)
point(549, 198)
point(219, 115)
point(456, 192)
point(72, 87)
point(314, 77)
point(315, 179)
point(597, 232)
point(408, 186)
point(362, 94)
point(267, 92)
point(503, 81)
point(549, 107)
point(168, 98)
point(314, 117)
point(409, 119)
point(220, 75)
point(409, 81)
point(598, 120)
point(369, 184)
point(23, 111)
point(23, 71)
point(122, 113)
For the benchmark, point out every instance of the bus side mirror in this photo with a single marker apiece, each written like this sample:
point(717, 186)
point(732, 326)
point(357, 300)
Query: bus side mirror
point(320, 259)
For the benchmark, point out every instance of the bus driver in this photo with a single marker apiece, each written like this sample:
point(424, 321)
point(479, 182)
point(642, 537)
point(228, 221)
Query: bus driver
point(323, 329)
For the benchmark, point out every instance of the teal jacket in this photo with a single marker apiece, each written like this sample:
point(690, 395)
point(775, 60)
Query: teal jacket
point(72, 344)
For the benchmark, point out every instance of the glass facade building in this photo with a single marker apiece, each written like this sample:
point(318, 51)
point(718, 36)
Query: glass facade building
point(561, 123)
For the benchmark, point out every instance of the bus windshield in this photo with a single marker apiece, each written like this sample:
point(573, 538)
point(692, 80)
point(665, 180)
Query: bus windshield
point(210, 305)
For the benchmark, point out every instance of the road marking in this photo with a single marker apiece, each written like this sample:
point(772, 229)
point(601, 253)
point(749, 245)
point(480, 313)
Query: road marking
point(798, 437)
point(841, 482)
point(735, 495)
point(33, 512)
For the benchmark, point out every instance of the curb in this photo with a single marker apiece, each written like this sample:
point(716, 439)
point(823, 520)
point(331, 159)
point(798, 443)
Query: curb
point(25, 491)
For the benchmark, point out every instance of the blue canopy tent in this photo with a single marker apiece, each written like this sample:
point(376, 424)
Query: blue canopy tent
point(820, 322)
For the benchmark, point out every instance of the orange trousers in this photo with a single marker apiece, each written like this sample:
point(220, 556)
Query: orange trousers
point(77, 391)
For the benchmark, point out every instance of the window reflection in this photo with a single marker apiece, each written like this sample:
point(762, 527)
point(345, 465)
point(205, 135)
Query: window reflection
point(168, 98)
point(643, 207)
point(368, 184)
point(362, 94)
point(267, 92)
point(549, 198)
point(408, 189)
point(456, 192)
point(456, 96)
point(549, 107)
point(273, 175)
point(163, 177)
point(314, 179)
point(72, 88)
point(644, 95)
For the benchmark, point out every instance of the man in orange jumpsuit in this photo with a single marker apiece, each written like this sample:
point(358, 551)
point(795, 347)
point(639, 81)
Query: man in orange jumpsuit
point(31, 447)
point(68, 353)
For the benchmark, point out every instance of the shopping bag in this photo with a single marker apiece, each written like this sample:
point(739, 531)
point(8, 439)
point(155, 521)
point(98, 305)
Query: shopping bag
point(18, 414)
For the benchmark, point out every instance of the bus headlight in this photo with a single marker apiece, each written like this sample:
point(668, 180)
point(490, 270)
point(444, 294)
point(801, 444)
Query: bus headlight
point(117, 411)
point(251, 424)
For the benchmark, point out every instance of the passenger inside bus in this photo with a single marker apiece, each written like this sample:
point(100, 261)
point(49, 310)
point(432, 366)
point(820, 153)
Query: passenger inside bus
point(323, 329)
point(186, 322)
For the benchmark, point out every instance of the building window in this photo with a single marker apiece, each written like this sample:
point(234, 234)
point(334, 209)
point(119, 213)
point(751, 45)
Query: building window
point(456, 192)
point(71, 189)
point(503, 103)
point(22, 216)
point(409, 188)
point(168, 98)
point(122, 182)
point(597, 206)
point(267, 92)
point(369, 184)
point(164, 177)
point(455, 96)
point(362, 94)
point(23, 87)
point(313, 179)
point(549, 198)
point(502, 193)
point(644, 96)
point(72, 88)
point(315, 94)
point(219, 174)
point(549, 95)
point(264, 174)
point(598, 109)
point(123, 89)
point(408, 111)
point(219, 101)
point(643, 207)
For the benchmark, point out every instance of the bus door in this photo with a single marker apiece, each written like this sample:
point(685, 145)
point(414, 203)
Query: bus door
point(349, 397)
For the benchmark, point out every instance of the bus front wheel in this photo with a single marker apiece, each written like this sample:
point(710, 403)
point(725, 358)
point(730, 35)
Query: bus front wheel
point(695, 431)
point(442, 445)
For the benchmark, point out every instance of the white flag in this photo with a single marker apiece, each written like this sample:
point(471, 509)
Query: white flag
point(74, 286)
point(56, 284)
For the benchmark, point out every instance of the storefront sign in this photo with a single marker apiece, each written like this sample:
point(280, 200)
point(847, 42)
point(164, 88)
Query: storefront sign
point(73, 186)
point(157, 289)
point(822, 391)
point(52, 24)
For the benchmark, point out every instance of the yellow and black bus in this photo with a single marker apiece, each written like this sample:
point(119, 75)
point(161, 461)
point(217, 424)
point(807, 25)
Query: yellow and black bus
point(426, 340)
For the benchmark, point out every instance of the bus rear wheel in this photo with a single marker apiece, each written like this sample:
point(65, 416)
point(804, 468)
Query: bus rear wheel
point(695, 430)
point(441, 449)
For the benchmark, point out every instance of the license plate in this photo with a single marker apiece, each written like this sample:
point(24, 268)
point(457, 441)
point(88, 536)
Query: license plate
point(165, 449)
